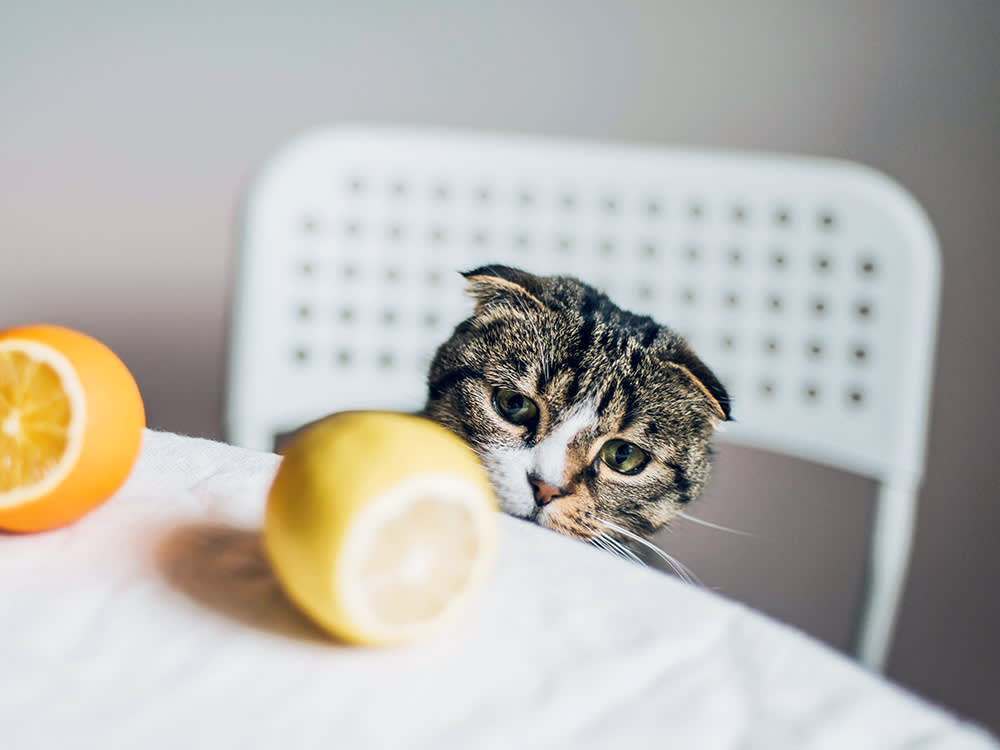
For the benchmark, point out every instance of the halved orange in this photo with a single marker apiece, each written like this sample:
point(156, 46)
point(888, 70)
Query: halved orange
point(71, 424)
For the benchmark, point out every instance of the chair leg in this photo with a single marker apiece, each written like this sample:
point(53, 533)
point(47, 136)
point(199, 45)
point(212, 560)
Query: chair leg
point(889, 556)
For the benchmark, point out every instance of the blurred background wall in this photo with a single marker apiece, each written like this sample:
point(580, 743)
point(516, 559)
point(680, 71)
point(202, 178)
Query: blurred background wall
point(129, 130)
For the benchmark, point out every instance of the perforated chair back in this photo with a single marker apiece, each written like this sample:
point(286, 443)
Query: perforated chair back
point(809, 286)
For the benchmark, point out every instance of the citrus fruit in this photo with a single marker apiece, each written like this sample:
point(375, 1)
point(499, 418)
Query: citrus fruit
point(380, 526)
point(71, 423)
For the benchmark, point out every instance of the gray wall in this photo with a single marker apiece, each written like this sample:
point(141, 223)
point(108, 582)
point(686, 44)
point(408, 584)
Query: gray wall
point(127, 134)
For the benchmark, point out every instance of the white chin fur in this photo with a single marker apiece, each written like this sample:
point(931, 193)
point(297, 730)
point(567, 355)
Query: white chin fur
point(508, 468)
point(508, 472)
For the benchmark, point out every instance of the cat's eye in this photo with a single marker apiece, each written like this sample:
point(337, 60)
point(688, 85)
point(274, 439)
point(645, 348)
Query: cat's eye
point(515, 407)
point(624, 457)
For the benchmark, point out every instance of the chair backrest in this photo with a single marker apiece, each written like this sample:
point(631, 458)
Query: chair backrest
point(809, 286)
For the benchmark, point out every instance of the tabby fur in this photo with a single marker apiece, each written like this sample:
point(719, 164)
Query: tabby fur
point(595, 373)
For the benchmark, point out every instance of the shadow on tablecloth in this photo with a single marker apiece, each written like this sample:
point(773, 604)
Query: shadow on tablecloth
point(224, 568)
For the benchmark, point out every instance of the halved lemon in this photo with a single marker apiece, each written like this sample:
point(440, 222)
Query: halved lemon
point(71, 422)
point(380, 526)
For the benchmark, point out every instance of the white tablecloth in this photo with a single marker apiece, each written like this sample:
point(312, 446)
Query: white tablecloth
point(155, 622)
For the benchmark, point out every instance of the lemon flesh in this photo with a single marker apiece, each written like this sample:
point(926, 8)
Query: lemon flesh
point(380, 526)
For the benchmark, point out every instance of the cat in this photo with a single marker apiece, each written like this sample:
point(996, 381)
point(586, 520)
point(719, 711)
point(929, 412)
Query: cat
point(590, 420)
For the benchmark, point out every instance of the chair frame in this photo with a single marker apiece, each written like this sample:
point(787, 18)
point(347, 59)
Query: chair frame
point(350, 234)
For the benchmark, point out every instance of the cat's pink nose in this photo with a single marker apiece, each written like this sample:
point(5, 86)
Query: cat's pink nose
point(544, 493)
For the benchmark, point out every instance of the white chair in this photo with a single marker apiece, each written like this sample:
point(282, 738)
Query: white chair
point(809, 286)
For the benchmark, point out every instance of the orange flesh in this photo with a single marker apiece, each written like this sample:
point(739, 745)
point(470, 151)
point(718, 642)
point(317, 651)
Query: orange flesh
point(35, 418)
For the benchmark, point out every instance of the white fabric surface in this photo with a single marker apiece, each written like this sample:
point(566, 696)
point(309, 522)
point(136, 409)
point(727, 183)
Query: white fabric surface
point(154, 622)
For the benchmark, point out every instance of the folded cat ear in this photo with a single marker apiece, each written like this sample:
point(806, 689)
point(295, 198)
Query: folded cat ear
point(685, 359)
point(493, 283)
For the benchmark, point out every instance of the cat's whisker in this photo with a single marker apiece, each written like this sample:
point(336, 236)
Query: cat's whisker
point(676, 565)
point(623, 551)
point(601, 542)
point(709, 524)
point(614, 547)
point(684, 571)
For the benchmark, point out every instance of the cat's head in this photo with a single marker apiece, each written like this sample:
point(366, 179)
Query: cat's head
point(582, 412)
